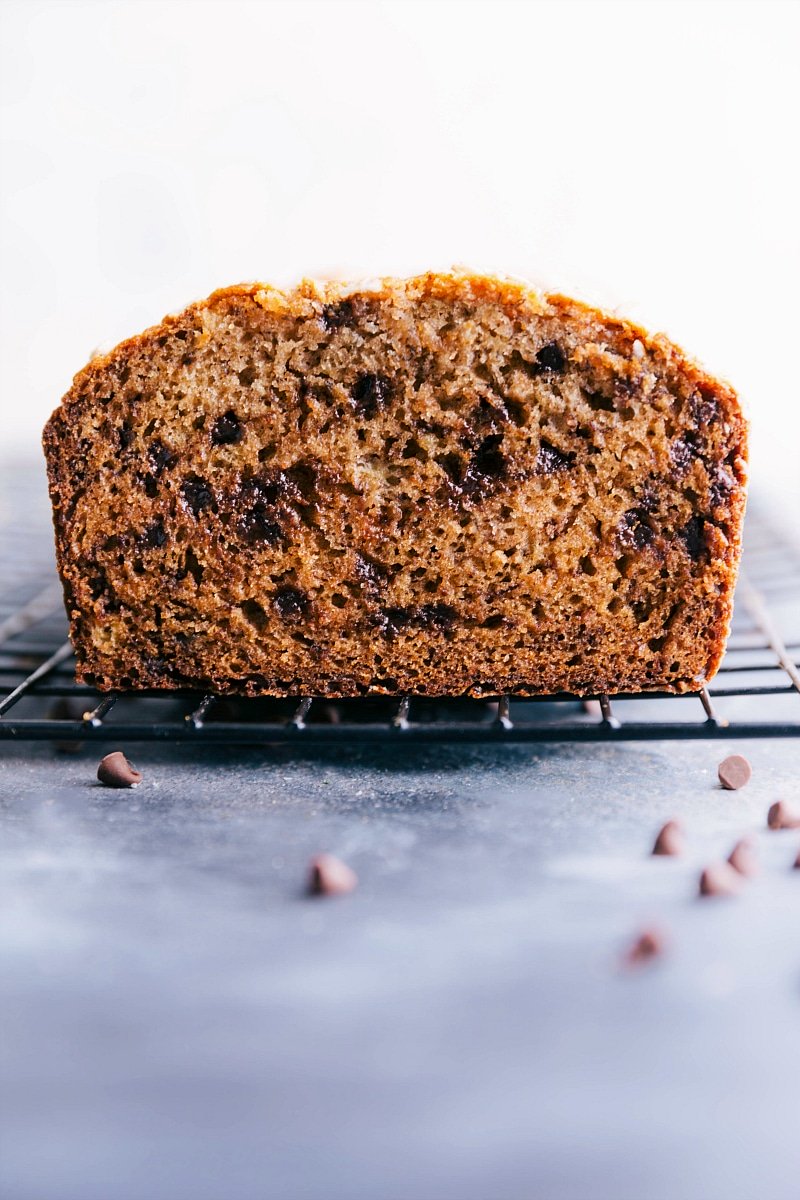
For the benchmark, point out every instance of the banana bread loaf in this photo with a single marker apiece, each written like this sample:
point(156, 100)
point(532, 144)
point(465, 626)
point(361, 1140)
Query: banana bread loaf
point(444, 485)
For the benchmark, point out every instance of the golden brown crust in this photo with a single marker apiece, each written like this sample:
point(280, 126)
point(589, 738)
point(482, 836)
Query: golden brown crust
point(442, 485)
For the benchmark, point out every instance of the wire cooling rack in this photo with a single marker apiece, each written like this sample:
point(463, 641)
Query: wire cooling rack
point(755, 694)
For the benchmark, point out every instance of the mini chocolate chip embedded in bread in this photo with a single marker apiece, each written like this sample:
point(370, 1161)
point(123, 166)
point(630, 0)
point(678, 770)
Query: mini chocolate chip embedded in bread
point(444, 485)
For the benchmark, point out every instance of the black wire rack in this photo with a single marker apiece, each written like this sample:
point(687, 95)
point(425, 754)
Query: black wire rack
point(755, 694)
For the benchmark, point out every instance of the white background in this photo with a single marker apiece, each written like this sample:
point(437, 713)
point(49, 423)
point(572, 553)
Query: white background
point(642, 156)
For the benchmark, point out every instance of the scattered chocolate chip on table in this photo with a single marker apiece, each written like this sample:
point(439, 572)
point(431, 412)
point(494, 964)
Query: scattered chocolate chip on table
point(329, 876)
point(734, 772)
point(720, 879)
point(670, 839)
point(782, 815)
point(649, 944)
point(116, 771)
point(744, 857)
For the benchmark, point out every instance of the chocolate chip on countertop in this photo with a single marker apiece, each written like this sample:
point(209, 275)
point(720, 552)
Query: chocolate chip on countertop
point(720, 879)
point(329, 876)
point(734, 772)
point(670, 839)
point(649, 944)
point(744, 857)
point(783, 816)
point(115, 771)
point(797, 862)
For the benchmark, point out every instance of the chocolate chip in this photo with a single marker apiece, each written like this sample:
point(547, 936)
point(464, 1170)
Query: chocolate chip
point(329, 876)
point(670, 839)
point(720, 879)
point(734, 772)
point(301, 482)
point(161, 457)
point(337, 316)
point(649, 498)
point(392, 620)
point(783, 816)
point(160, 670)
point(115, 771)
point(487, 416)
point(255, 614)
point(721, 485)
point(197, 493)
point(648, 945)
point(436, 616)
point(98, 584)
point(454, 467)
point(247, 376)
point(258, 500)
point(797, 862)
point(683, 452)
point(370, 571)
point(704, 407)
point(268, 491)
point(488, 460)
point(291, 603)
point(255, 527)
point(155, 535)
point(550, 358)
point(634, 531)
point(599, 402)
point(693, 536)
point(370, 393)
point(549, 460)
point(126, 435)
point(227, 430)
point(744, 857)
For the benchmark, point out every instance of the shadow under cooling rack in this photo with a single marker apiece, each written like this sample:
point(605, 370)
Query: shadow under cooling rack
point(755, 694)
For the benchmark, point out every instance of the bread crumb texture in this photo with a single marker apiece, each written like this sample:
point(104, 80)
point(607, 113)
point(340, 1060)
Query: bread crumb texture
point(444, 485)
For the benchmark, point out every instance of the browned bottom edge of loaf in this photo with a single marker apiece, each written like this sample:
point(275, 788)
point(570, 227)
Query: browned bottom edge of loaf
point(479, 690)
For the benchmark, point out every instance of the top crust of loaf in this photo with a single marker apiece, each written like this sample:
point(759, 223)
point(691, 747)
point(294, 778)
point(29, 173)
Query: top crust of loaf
point(313, 296)
point(677, 527)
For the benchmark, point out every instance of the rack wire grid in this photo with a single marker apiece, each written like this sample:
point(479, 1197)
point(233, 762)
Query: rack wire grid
point(755, 694)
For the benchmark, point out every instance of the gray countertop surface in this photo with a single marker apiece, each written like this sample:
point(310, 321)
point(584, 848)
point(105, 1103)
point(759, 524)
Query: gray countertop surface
point(178, 1021)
